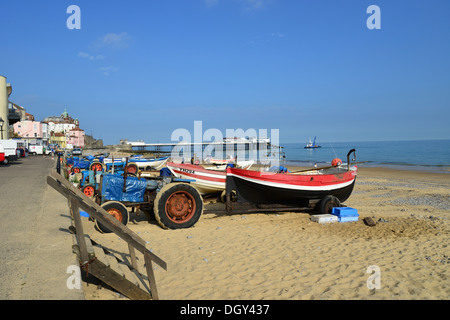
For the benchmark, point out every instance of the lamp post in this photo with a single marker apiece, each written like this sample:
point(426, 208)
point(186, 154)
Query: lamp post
point(1, 125)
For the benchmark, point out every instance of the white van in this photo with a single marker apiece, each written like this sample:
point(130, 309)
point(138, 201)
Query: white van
point(10, 147)
point(34, 150)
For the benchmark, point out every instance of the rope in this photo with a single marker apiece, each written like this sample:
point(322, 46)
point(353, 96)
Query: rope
point(85, 265)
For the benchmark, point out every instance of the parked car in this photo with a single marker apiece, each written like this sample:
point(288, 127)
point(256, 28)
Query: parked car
point(77, 152)
point(2, 154)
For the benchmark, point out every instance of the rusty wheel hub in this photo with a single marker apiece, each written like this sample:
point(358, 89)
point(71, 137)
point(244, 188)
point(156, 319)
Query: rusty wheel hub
point(180, 207)
point(116, 213)
point(96, 167)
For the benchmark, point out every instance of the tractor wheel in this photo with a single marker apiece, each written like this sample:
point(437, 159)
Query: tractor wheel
point(117, 210)
point(96, 166)
point(327, 204)
point(178, 206)
point(88, 190)
point(76, 170)
point(132, 168)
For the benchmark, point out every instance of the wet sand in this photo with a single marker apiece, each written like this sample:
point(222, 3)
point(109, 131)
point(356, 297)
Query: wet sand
point(286, 256)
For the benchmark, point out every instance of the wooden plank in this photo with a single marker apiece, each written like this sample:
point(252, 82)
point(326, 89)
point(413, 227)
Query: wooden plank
point(75, 212)
point(133, 257)
point(151, 276)
point(117, 281)
point(111, 277)
point(89, 247)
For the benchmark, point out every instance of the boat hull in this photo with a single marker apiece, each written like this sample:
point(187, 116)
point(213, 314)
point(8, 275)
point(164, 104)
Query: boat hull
point(206, 181)
point(291, 189)
point(149, 163)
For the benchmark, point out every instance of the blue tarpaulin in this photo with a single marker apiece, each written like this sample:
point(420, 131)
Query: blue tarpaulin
point(112, 188)
point(77, 162)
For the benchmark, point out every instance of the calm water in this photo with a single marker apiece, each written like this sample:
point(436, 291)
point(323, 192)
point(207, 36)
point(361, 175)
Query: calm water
point(433, 155)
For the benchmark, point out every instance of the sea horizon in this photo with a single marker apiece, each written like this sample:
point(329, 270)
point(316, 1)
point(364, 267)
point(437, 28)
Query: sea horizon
point(425, 155)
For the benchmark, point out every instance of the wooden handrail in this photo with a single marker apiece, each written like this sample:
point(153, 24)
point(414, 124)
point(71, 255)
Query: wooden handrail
point(77, 200)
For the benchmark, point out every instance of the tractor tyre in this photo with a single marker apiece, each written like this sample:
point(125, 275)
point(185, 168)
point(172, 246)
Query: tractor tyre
point(117, 210)
point(178, 206)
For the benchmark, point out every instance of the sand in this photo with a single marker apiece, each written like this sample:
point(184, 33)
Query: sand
point(286, 256)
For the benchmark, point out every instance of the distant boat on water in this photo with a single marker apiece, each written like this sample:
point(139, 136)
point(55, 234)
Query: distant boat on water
point(312, 145)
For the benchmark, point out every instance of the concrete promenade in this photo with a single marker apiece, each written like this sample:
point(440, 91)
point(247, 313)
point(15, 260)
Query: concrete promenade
point(35, 244)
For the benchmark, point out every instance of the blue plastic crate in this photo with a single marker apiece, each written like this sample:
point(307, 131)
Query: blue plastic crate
point(345, 212)
point(348, 219)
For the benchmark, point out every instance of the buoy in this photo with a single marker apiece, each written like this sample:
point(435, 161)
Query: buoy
point(336, 162)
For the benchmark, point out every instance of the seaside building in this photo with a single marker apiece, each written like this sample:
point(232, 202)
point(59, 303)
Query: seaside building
point(61, 124)
point(65, 131)
point(35, 132)
point(76, 137)
point(59, 139)
point(28, 129)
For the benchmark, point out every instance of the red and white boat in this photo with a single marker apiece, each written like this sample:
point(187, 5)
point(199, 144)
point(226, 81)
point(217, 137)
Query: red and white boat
point(206, 180)
point(292, 188)
point(211, 160)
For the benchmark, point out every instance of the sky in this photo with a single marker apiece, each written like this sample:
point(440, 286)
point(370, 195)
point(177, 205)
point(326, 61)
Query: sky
point(141, 69)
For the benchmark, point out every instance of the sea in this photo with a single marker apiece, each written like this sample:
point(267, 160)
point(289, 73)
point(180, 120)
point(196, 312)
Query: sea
point(424, 155)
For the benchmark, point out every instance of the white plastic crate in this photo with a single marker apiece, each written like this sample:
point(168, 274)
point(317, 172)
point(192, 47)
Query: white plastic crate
point(324, 218)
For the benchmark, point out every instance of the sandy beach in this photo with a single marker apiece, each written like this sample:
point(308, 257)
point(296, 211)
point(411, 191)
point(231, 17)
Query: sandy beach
point(286, 256)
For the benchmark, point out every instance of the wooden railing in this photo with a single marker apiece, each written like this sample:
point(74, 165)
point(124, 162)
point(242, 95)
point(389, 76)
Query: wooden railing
point(77, 200)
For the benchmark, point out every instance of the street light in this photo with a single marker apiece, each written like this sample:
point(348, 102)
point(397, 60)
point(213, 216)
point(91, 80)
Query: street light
point(1, 125)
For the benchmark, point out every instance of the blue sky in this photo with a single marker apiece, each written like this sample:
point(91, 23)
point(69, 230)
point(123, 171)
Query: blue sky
point(141, 69)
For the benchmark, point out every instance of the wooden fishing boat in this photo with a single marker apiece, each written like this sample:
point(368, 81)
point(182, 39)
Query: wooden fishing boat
point(149, 163)
point(206, 180)
point(115, 160)
point(299, 188)
point(211, 160)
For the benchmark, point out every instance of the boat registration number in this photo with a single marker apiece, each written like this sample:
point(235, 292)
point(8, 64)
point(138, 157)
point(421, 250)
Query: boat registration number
point(187, 170)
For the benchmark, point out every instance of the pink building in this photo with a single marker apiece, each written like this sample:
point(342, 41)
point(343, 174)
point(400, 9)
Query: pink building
point(76, 137)
point(28, 129)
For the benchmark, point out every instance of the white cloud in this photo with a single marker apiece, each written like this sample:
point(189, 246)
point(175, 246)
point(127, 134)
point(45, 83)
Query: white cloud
point(114, 40)
point(106, 71)
point(90, 57)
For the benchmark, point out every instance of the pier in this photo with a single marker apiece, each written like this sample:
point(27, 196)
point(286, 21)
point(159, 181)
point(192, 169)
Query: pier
point(244, 148)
